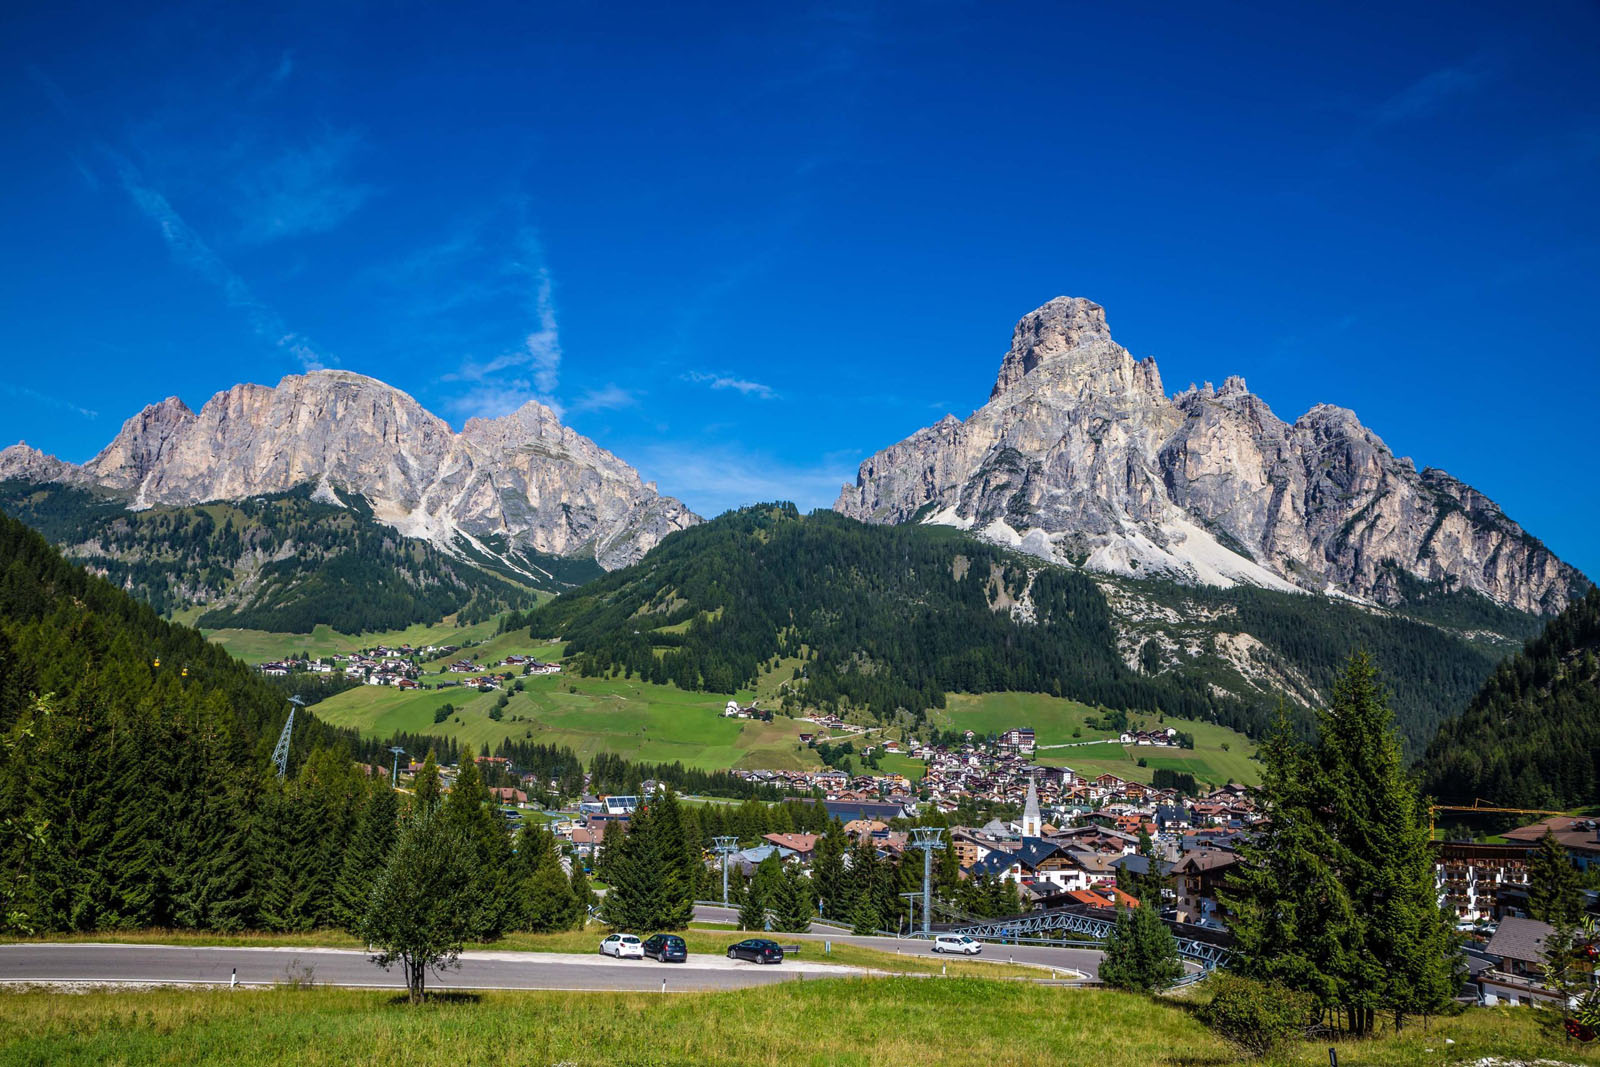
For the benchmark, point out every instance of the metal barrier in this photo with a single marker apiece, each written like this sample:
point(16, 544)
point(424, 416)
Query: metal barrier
point(1036, 928)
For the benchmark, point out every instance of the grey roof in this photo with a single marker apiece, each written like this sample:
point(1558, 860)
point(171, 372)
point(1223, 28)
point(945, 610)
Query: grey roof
point(1520, 939)
point(846, 810)
point(1137, 864)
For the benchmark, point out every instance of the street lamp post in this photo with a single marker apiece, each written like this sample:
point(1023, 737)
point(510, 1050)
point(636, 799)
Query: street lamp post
point(394, 778)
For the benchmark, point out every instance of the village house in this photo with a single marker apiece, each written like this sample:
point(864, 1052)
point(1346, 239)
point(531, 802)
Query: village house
point(1195, 879)
point(1517, 970)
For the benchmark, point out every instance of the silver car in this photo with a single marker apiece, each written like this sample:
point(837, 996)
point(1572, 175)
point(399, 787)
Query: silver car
point(960, 943)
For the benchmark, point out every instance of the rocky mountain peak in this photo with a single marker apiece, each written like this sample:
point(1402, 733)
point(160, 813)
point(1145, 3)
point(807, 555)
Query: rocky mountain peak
point(29, 464)
point(524, 480)
point(1080, 457)
point(1052, 332)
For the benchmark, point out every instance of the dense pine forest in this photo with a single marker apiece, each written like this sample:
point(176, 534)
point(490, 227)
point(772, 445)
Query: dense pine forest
point(891, 618)
point(1531, 737)
point(136, 786)
point(283, 563)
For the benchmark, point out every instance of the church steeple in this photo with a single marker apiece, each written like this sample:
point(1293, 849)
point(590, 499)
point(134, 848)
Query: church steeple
point(1032, 825)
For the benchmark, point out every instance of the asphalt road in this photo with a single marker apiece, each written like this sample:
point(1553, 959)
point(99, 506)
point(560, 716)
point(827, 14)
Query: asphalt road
point(164, 964)
point(1084, 961)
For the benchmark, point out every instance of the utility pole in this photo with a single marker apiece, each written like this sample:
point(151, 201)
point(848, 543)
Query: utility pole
point(280, 753)
point(725, 847)
point(927, 838)
point(394, 779)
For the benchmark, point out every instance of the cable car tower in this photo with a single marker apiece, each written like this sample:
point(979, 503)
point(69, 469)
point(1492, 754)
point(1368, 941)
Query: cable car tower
point(280, 754)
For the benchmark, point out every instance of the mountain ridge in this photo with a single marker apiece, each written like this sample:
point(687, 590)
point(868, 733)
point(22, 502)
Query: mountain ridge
point(523, 478)
point(1081, 457)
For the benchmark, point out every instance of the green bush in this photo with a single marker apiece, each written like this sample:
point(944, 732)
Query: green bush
point(1252, 1015)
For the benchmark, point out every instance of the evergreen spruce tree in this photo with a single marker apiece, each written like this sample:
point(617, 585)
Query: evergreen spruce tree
point(1555, 892)
point(611, 839)
point(366, 855)
point(1141, 954)
point(651, 889)
point(752, 912)
point(1335, 897)
point(426, 789)
point(828, 875)
point(766, 881)
point(793, 905)
point(469, 809)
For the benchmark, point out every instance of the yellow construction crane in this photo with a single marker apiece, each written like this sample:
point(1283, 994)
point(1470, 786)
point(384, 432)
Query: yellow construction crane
point(1483, 807)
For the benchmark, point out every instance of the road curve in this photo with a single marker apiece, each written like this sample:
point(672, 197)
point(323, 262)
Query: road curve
point(1084, 961)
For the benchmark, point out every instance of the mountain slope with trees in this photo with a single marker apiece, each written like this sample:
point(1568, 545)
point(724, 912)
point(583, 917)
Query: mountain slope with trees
point(891, 618)
point(283, 562)
point(1531, 737)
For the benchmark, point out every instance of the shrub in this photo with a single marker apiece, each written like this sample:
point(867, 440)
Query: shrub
point(1254, 1016)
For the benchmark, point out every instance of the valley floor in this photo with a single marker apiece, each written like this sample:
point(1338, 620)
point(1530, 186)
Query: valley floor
point(832, 1021)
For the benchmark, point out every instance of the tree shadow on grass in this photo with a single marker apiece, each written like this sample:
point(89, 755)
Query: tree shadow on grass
point(449, 997)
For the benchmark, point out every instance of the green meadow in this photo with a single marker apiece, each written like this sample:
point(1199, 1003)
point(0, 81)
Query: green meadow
point(256, 646)
point(844, 1021)
point(1057, 721)
point(655, 723)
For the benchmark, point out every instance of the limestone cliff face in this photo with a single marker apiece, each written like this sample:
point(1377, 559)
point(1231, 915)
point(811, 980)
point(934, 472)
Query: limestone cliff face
point(524, 480)
point(1080, 456)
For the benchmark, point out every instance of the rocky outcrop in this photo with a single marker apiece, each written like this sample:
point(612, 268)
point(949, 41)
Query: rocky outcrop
point(1080, 456)
point(28, 464)
point(523, 481)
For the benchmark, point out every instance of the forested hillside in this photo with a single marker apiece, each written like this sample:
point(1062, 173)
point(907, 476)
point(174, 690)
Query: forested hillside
point(283, 563)
point(884, 617)
point(891, 618)
point(1531, 737)
point(1434, 654)
point(135, 784)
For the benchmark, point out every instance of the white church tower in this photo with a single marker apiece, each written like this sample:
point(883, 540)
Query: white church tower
point(1032, 826)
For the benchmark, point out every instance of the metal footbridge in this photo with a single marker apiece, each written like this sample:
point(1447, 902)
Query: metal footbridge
point(1070, 926)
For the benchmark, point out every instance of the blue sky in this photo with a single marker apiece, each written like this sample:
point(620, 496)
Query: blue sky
point(746, 245)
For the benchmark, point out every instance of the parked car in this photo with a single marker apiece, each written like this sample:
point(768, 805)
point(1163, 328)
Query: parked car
point(957, 943)
point(666, 948)
point(757, 950)
point(622, 946)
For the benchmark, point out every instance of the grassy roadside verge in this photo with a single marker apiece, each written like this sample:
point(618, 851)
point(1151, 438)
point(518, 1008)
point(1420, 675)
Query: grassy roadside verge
point(835, 1021)
point(700, 942)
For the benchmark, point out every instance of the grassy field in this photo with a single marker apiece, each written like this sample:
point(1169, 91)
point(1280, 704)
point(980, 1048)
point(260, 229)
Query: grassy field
point(1054, 721)
point(658, 723)
point(256, 646)
point(833, 1021)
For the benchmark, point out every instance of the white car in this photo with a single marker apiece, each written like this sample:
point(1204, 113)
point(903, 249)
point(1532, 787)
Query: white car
point(957, 943)
point(623, 947)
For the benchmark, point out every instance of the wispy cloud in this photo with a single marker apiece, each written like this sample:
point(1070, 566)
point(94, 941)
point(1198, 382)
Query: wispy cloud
point(543, 345)
point(298, 190)
point(530, 372)
point(609, 397)
point(190, 250)
point(22, 392)
point(742, 385)
point(1431, 93)
point(185, 245)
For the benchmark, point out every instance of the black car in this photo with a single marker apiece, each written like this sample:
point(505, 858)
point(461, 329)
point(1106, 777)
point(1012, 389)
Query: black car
point(666, 948)
point(757, 950)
